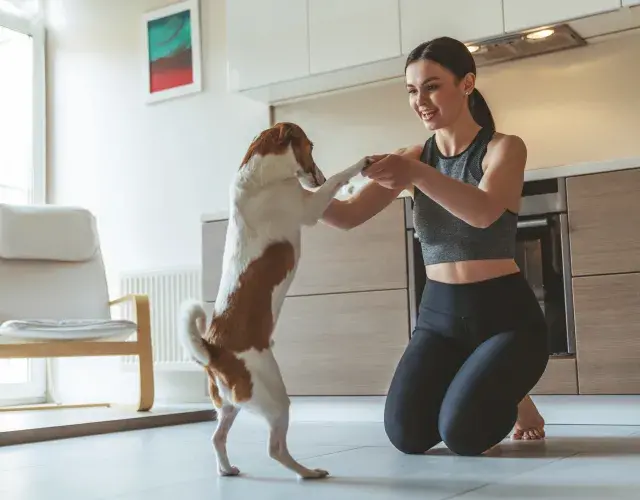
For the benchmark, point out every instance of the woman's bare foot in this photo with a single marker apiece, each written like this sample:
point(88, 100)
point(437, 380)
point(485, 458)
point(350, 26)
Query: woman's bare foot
point(530, 424)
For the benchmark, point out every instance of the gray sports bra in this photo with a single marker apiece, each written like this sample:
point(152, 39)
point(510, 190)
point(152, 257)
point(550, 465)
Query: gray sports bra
point(443, 236)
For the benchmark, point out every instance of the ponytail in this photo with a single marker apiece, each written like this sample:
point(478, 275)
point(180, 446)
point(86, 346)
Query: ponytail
point(480, 110)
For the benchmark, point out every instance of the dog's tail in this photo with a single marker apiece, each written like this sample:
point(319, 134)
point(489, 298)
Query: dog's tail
point(192, 327)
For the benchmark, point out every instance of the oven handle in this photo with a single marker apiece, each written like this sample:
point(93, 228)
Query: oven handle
point(541, 222)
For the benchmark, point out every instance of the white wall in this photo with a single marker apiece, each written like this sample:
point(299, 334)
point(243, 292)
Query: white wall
point(147, 171)
point(572, 106)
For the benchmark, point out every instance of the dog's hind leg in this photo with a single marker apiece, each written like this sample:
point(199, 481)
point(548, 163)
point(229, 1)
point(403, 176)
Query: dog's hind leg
point(279, 451)
point(227, 415)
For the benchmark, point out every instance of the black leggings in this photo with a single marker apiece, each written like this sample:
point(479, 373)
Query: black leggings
point(476, 352)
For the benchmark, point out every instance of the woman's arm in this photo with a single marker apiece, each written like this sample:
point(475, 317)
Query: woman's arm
point(499, 189)
point(371, 200)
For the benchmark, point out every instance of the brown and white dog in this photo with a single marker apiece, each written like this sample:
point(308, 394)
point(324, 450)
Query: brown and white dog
point(268, 208)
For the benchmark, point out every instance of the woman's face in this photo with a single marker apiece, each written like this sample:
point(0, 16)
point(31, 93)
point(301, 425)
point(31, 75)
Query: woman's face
point(435, 94)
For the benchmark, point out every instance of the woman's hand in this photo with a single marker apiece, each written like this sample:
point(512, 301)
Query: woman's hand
point(391, 171)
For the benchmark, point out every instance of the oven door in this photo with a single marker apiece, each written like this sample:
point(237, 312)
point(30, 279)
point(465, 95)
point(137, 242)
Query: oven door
point(540, 257)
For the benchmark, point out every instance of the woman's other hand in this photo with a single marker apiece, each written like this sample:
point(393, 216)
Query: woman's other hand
point(392, 171)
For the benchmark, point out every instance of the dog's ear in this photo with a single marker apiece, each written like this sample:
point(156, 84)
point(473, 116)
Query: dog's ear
point(288, 133)
point(284, 133)
point(276, 139)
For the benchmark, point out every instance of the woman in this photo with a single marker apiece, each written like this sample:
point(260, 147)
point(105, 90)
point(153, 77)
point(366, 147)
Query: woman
point(480, 344)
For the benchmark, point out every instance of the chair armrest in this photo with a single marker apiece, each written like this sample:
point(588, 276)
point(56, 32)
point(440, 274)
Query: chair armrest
point(142, 313)
point(137, 299)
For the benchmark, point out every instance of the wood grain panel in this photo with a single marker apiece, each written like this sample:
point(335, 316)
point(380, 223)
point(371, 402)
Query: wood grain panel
point(607, 311)
point(559, 378)
point(213, 237)
point(342, 344)
point(371, 256)
point(604, 217)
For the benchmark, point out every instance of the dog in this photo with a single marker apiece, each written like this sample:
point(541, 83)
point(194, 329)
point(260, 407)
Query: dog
point(272, 198)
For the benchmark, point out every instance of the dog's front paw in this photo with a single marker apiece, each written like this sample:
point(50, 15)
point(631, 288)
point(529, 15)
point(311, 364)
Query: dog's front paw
point(315, 474)
point(360, 166)
point(233, 471)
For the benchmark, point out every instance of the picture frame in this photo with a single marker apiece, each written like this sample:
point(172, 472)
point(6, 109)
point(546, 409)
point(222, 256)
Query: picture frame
point(173, 58)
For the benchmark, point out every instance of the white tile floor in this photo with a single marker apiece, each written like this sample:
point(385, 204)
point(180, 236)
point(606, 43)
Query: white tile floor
point(576, 462)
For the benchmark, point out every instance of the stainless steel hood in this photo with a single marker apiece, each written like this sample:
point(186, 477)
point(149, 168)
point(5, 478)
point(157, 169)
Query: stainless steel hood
point(522, 45)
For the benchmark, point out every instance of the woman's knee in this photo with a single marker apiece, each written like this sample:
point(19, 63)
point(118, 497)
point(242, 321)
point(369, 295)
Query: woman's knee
point(407, 435)
point(406, 441)
point(463, 440)
point(472, 433)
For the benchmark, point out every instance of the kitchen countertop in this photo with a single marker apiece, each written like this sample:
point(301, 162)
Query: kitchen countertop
point(585, 168)
point(533, 174)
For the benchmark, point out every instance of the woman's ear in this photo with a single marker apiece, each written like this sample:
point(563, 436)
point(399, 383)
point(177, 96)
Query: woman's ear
point(469, 83)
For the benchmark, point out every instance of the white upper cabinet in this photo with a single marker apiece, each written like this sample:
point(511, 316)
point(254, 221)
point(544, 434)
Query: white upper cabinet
point(344, 33)
point(267, 42)
point(523, 14)
point(465, 20)
point(627, 3)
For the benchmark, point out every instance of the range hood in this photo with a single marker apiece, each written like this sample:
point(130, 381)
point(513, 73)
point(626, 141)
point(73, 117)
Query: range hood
point(522, 45)
point(504, 49)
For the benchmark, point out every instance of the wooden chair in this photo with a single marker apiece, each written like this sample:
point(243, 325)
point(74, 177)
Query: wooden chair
point(54, 300)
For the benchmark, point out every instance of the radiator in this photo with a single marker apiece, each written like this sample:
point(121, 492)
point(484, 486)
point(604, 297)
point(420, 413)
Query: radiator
point(166, 290)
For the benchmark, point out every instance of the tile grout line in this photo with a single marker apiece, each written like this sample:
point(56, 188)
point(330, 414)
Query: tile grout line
point(555, 461)
point(310, 457)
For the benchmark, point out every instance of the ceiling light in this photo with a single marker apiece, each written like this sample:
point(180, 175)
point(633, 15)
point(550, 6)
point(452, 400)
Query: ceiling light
point(540, 34)
point(473, 48)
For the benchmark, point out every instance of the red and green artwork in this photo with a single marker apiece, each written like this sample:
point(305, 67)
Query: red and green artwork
point(170, 51)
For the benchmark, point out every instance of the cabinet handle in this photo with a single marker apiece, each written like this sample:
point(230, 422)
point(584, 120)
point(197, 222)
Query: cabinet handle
point(541, 222)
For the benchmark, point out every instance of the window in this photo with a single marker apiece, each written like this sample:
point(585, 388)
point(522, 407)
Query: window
point(22, 153)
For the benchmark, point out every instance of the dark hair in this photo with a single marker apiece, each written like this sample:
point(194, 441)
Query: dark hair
point(454, 56)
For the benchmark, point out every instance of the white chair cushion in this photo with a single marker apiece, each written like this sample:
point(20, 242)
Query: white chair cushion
point(47, 232)
point(79, 329)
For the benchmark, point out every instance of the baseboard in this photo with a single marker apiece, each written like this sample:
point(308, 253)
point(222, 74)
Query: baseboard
point(116, 421)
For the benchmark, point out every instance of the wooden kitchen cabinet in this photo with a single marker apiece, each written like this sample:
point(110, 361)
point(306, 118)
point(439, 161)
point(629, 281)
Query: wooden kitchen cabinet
point(343, 34)
point(560, 377)
point(213, 237)
point(371, 256)
point(523, 14)
point(607, 313)
point(604, 222)
point(465, 20)
point(267, 42)
point(341, 344)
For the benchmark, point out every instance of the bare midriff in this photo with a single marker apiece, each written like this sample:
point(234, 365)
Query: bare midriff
point(471, 271)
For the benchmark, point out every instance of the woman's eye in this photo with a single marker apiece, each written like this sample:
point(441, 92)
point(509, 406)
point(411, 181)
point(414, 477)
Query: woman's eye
point(432, 88)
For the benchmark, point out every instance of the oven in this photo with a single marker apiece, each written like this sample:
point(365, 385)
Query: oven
point(542, 254)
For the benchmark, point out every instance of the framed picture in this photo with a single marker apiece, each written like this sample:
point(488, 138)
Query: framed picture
point(173, 57)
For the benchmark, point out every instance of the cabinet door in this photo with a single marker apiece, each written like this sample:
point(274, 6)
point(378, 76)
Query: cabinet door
point(465, 20)
point(560, 377)
point(604, 217)
point(349, 33)
point(267, 42)
point(628, 3)
point(607, 312)
point(370, 257)
point(213, 236)
point(341, 344)
point(522, 14)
